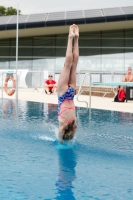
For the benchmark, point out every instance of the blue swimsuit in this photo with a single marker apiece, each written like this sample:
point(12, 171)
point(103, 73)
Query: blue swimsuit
point(68, 95)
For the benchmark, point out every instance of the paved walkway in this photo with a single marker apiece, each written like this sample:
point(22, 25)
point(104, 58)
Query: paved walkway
point(96, 102)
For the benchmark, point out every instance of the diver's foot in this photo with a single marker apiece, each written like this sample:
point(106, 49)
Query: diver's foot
point(76, 28)
point(71, 31)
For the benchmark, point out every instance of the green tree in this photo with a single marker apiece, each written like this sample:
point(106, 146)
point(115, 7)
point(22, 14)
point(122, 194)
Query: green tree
point(2, 10)
point(8, 11)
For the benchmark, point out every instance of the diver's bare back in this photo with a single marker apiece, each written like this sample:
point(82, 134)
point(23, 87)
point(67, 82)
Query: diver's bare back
point(69, 113)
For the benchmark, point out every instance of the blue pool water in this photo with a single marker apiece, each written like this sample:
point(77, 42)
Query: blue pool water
point(96, 165)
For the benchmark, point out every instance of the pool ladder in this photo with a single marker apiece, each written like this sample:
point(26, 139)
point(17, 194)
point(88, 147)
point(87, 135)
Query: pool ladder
point(79, 92)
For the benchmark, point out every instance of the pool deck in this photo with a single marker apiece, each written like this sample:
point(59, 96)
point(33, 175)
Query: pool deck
point(96, 102)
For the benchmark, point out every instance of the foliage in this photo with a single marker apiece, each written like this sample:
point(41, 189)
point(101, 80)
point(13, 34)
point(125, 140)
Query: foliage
point(8, 11)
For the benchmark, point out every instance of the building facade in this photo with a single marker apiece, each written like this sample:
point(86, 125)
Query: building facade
point(105, 43)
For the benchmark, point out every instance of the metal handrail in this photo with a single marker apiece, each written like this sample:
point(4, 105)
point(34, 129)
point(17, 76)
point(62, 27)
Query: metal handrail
point(94, 72)
point(89, 90)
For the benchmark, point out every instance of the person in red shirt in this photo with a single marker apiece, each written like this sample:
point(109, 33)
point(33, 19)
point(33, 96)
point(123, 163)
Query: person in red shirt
point(50, 85)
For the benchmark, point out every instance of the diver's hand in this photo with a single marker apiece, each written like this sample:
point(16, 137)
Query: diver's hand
point(60, 140)
point(60, 134)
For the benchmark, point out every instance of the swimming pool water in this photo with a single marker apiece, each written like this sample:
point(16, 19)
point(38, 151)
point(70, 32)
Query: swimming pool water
point(96, 165)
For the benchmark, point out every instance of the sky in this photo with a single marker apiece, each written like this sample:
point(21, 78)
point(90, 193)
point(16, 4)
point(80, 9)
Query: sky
point(44, 6)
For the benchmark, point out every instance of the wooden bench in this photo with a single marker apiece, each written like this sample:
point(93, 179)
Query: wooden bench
point(96, 91)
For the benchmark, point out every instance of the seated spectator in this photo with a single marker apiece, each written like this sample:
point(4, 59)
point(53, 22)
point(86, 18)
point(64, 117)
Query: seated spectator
point(121, 92)
point(129, 76)
point(50, 85)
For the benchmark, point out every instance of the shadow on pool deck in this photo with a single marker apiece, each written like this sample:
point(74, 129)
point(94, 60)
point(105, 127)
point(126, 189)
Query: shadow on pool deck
point(96, 102)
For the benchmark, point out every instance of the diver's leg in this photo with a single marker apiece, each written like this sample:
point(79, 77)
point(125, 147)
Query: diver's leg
point(72, 78)
point(64, 76)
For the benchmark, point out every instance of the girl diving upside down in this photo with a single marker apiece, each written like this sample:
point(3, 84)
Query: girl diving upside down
point(66, 87)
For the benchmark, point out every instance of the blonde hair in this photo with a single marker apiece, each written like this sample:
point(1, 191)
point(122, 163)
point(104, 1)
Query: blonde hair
point(68, 134)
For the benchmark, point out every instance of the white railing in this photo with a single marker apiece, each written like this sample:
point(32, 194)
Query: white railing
point(118, 76)
point(35, 79)
point(79, 92)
